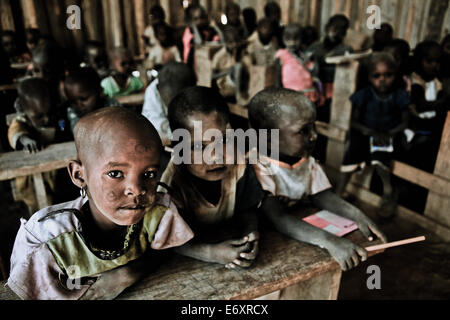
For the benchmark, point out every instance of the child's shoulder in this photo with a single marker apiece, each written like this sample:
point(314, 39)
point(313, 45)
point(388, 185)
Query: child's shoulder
point(51, 222)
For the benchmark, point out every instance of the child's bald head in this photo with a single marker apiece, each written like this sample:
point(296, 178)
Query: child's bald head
point(292, 113)
point(269, 107)
point(111, 127)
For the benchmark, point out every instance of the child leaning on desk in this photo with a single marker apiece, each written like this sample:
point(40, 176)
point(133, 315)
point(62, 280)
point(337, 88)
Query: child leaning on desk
point(34, 127)
point(97, 245)
point(295, 175)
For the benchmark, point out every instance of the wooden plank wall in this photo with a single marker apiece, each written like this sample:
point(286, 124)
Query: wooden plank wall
point(413, 20)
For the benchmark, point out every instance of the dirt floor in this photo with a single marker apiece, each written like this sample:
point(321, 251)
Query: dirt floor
point(416, 271)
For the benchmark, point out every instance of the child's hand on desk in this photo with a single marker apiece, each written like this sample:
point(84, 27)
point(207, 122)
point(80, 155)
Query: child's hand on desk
point(346, 253)
point(111, 283)
point(229, 252)
point(29, 145)
point(246, 259)
point(367, 227)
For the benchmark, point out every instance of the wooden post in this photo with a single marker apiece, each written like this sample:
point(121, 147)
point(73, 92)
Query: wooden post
point(130, 26)
point(29, 13)
point(91, 16)
point(7, 19)
point(341, 109)
point(39, 189)
point(139, 15)
point(203, 63)
point(115, 26)
point(438, 205)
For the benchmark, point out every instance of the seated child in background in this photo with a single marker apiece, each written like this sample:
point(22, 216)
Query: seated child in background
point(445, 65)
point(197, 32)
point(233, 14)
point(331, 45)
point(172, 79)
point(272, 11)
point(296, 71)
point(96, 58)
point(309, 35)
point(156, 16)
point(9, 44)
point(84, 94)
point(48, 64)
point(216, 198)
point(165, 50)
point(400, 50)
point(379, 117)
point(429, 105)
point(229, 65)
point(32, 38)
point(121, 82)
point(296, 175)
point(382, 37)
point(262, 44)
point(250, 20)
point(34, 127)
point(90, 248)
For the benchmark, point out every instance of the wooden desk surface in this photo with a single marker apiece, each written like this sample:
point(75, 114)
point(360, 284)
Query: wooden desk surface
point(282, 262)
point(19, 163)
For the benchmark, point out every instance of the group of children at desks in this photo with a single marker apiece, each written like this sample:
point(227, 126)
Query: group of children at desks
point(134, 198)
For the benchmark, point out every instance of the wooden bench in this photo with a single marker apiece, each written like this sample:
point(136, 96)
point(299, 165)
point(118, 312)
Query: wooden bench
point(284, 269)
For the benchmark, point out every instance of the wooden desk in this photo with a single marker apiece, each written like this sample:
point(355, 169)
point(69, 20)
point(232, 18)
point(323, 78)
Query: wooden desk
point(19, 163)
point(285, 269)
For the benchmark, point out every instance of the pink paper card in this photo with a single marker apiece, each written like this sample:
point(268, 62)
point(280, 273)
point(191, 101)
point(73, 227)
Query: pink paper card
point(331, 222)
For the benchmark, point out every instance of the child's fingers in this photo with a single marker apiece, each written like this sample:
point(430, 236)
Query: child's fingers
point(253, 236)
point(238, 242)
point(242, 263)
point(355, 259)
point(252, 254)
point(362, 253)
point(364, 230)
point(379, 233)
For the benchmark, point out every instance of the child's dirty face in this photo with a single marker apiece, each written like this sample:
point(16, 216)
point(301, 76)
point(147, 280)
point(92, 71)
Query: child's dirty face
point(382, 78)
point(337, 32)
point(123, 64)
point(233, 16)
point(432, 62)
point(97, 58)
point(120, 175)
point(232, 42)
point(38, 112)
point(206, 147)
point(292, 40)
point(298, 133)
point(200, 18)
point(8, 44)
point(266, 34)
point(82, 100)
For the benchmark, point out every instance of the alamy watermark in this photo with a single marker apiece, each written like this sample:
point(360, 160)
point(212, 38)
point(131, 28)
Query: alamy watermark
point(228, 148)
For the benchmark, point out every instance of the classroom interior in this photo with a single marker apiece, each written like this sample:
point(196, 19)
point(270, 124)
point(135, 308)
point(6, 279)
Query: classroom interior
point(415, 271)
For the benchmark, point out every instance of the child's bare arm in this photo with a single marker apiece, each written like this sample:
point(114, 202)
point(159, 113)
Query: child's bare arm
point(330, 201)
point(225, 252)
point(402, 126)
point(111, 283)
point(345, 252)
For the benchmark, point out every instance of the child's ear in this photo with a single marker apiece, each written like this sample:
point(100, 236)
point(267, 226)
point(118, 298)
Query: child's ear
point(76, 173)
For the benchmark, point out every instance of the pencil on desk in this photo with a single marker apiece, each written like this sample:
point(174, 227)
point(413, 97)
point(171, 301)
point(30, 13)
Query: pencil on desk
point(394, 244)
